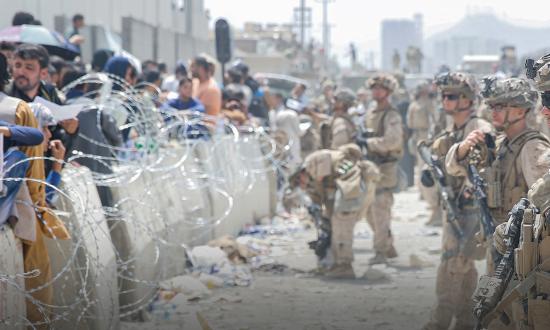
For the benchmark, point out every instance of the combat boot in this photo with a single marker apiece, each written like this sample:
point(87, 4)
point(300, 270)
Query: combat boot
point(378, 258)
point(391, 253)
point(435, 219)
point(341, 271)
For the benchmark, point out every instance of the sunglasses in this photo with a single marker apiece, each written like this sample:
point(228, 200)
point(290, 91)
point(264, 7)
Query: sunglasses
point(450, 97)
point(545, 97)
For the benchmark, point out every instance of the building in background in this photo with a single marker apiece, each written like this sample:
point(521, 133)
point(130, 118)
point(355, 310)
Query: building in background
point(397, 36)
point(482, 33)
point(150, 29)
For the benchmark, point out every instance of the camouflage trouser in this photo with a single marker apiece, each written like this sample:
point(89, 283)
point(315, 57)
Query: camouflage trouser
point(379, 219)
point(456, 282)
point(456, 277)
point(429, 194)
point(341, 244)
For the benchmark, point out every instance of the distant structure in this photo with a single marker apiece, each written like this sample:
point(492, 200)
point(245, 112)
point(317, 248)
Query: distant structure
point(161, 29)
point(452, 50)
point(479, 34)
point(398, 35)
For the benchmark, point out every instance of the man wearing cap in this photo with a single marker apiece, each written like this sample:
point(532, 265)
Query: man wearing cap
point(384, 147)
point(531, 305)
point(343, 186)
point(456, 274)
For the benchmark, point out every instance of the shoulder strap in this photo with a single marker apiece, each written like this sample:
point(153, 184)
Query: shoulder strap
point(381, 126)
point(519, 142)
point(348, 120)
point(517, 145)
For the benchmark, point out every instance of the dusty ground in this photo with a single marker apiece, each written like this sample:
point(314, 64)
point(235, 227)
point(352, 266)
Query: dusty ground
point(295, 299)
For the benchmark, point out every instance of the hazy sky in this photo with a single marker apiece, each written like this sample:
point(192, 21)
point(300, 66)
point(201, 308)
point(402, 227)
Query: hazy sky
point(359, 20)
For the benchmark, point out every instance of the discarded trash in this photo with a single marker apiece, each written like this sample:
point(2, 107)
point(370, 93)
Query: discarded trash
point(202, 321)
point(207, 257)
point(428, 232)
point(235, 252)
point(210, 281)
point(376, 273)
point(277, 251)
point(278, 227)
point(417, 262)
point(167, 306)
point(229, 299)
point(434, 251)
point(189, 286)
point(362, 234)
point(275, 268)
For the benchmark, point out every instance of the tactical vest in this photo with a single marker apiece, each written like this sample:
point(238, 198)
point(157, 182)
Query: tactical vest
point(419, 116)
point(326, 130)
point(530, 299)
point(341, 191)
point(505, 180)
point(375, 125)
point(441, 146)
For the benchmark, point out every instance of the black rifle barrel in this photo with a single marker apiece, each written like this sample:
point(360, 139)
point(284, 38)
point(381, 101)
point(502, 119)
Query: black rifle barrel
point(446, 192)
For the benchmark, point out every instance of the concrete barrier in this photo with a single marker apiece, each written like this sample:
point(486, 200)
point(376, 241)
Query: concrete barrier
point(12, 295)
point(169, 204)
point(84, 268)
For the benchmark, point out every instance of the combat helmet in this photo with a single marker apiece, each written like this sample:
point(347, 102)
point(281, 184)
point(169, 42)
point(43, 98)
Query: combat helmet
point(513, 92)
point(457, 83)
point(385, 80)
point(346, 96)
point(422, 87)
point(539, 71)
point(327, 84)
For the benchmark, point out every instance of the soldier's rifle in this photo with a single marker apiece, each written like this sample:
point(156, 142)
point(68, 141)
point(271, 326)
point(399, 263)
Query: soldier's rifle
point(321, 245)
point(491, 289)
point(479, 187)
point(446, 192)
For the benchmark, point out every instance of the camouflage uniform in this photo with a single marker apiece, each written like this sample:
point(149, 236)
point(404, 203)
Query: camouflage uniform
point(322, 103)
point(341, 129)
point(518, 161)
point(420, 120)
point(456, 274)
point(527, 303)
point(344, 186)
point(384, 148)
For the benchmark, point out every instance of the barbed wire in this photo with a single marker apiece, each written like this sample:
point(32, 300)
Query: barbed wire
point(170, 191)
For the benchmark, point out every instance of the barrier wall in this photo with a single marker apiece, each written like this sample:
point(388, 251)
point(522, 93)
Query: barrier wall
point(84, 268)
point(146, 41)
point(110, 269)
point(12, 299)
